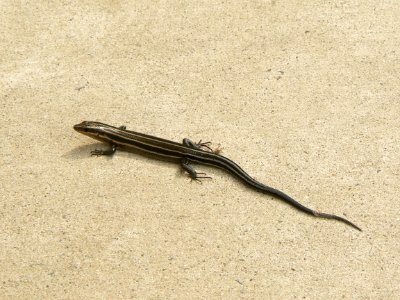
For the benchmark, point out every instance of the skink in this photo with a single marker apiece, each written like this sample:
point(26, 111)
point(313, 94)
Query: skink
point(185, 154)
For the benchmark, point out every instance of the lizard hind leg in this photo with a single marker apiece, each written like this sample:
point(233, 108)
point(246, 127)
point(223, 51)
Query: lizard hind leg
point(185, 163)
point(198, 146)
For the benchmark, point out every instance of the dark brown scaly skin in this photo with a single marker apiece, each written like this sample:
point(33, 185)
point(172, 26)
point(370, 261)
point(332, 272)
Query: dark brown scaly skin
point(185, 153)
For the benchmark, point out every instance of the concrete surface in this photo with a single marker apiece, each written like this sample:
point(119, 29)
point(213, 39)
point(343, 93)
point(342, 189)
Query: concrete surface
point(304, 95)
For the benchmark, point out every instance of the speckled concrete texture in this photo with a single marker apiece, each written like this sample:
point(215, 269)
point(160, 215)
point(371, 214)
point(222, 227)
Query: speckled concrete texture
point(304, 95)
